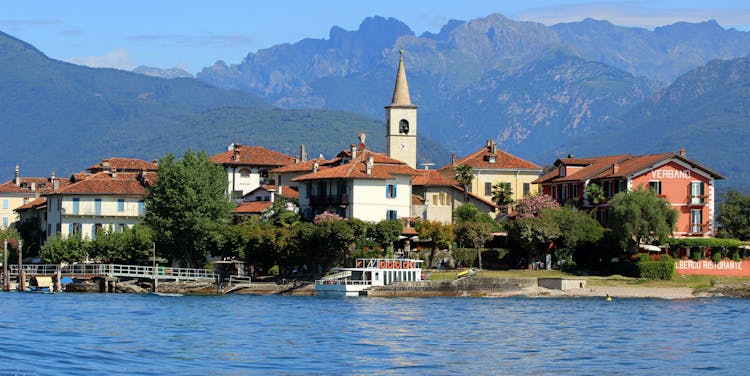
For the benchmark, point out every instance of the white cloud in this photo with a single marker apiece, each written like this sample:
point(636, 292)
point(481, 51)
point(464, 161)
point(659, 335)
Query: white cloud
point(118, 59)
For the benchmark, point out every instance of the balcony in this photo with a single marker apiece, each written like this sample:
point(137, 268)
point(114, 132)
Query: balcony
point(697, 200)
point(322, 200)
point(698, 228)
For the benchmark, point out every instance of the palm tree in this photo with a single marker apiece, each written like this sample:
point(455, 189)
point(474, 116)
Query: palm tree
point(464, 176)
point(502, 195)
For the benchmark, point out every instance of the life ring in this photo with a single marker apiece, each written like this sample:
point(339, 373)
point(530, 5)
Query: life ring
point(405, 265)
point(390, 264)
point(397, 264)
point(382, 265)
point(359, 263)
point(411, 265)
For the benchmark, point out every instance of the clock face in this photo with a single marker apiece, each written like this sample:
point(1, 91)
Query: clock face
point(404, 146)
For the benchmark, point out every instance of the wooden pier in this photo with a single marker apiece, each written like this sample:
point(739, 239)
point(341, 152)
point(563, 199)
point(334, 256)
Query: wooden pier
point(110, 273)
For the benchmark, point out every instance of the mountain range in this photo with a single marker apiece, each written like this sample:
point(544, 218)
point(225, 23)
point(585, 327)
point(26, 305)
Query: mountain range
point(588, 88)
point(63, 117)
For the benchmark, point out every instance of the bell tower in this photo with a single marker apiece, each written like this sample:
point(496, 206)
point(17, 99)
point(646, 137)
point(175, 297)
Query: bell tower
point(401, 121)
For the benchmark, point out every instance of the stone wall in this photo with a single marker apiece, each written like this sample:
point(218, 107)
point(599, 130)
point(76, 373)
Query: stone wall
point(459, 287)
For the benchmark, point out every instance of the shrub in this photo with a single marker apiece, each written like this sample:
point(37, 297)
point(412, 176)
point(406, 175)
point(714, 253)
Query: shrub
point(274, 270)
point(715, 255)
point(367, 253)
point(696, 254)
point(569, 267)
point(736, 256)
point(467, 256)
point(662, 269)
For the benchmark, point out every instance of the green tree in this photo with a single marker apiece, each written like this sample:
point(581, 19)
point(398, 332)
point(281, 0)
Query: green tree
point(441, 235)
point(595, 193)
point(468, 212)
point(131, 246)
point(464, 176)
point(502, 195)
point(71, 249)
point(474, 235)
point(640, 216)
point(283, 212)
point(735, 215)
point(386, 232)
point(534, 235)
point(576, 228)
point(188, 207)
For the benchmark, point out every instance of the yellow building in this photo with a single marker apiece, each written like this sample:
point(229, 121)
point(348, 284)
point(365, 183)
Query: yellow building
point(491, 166)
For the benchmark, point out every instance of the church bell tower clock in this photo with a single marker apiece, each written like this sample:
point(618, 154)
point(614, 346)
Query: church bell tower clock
point(401, 121)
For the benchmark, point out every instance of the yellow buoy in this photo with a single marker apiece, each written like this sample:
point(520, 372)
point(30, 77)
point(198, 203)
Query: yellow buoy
point(609, 298)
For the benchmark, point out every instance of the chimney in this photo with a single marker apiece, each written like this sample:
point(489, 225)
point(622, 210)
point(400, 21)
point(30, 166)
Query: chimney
point(279, 189)
point(354, 152)
point(615, 168)
point(302, 153)
point(53, 180)
point(453, 159)
point(315, 166)
point(236, 155)
point(370, 163)
point(491, 145)
point(33, 186)
point(17, 181)
point(682, 152)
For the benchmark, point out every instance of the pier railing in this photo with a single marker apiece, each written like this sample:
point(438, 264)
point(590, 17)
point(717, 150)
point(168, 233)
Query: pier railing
point(115, 270)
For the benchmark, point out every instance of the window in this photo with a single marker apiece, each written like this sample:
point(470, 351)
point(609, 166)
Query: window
point(98, 206)
point(308, 189)
point(622, 186)
point(120, 204)
point(442, 198)
point(554, 192)
point(392, 215)
point(141, 208)
point(696, 221)
point(488, 189)
point(5, 222)
point(655, 186)
point(563, 192)
point(562, 171)
point(607, 187)
point(697, 191)
point(435, 200)
point(76, 205)
point(6, 203)
point(574, 191)
point(390, 191)
point(244, 173)
point(526, 189)
point(403, 126)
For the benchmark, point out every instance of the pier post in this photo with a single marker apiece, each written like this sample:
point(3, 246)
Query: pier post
point(6, 277)
point(58, 277)
point(21, 276)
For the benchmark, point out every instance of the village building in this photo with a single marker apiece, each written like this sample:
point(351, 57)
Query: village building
point(260, 199)
point(688, 186)
point(110, 195)
point(436, 196)
point(492, 166)
point(19, 192)
point(248, 167)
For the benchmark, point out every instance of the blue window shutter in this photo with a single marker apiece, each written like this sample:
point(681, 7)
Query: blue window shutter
point(70, 229)
point(394, 190)
point(386, 191)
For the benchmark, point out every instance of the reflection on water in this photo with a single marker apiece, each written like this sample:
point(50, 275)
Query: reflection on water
point(240, 334)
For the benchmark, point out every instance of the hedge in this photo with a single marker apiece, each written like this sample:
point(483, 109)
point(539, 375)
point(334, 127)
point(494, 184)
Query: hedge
point(661, 269)
point(704, 242)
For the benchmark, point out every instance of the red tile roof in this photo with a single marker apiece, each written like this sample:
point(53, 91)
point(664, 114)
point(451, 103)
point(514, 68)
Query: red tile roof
point(38, 203)
point(252, 155)
point(432, 178)
point(286, 191)
point(480, 159)
point(40, 185)
point(307, 166)
point(613, 166)
point(252, 207)
point(123, 164)
point(383, 168)
point(104, 184)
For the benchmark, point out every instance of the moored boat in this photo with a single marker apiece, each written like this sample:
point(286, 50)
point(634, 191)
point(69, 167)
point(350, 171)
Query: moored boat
point(368, 273)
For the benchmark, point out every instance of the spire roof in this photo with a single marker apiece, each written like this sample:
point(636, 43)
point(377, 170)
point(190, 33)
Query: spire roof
point(401, 90)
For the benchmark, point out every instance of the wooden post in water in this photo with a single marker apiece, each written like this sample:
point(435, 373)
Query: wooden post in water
point(21, 276)
point(58, 279)
point(6, 277)
point(153, 244)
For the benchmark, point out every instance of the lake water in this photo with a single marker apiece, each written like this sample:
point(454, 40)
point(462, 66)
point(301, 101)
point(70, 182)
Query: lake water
point(85, 334)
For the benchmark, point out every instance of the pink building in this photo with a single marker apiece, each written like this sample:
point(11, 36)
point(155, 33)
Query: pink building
point(687, 185)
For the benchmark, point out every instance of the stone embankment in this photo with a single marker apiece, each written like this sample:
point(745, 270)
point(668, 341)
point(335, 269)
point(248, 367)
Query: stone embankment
point(459, 287)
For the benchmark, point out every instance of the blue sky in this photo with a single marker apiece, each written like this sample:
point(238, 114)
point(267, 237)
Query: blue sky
point(194, 34)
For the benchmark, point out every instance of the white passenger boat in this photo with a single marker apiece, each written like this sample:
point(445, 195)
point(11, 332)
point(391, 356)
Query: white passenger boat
point(368, 273)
